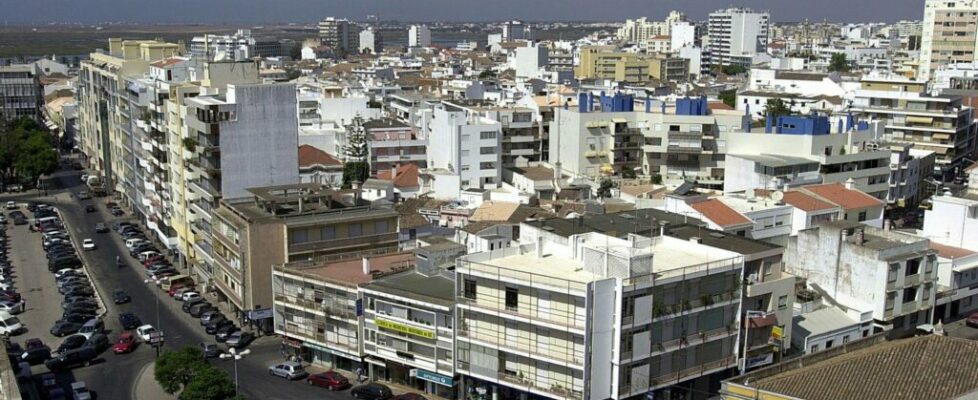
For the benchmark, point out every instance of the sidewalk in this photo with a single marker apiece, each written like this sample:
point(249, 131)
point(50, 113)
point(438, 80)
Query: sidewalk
point(146, 387)
point(395, 388)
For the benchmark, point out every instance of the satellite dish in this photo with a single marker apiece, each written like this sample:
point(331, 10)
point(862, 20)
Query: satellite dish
point(777, 195)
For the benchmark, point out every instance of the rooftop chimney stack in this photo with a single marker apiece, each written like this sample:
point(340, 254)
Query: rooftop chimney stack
point(366, 266)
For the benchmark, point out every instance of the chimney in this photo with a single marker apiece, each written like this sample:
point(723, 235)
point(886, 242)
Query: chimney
point(886, 224)
point(859, 236)
point(302, 203)
point(539, 244)
point(366, 266)
point(695, 239)
point(845, 235)
point(850, 183)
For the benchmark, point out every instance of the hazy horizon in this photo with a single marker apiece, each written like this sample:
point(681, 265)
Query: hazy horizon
point(306, 11)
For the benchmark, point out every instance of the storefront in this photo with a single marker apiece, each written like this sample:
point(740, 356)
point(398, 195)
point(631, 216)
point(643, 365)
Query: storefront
point(436, 384)
point(405, 375)
point(329, 358)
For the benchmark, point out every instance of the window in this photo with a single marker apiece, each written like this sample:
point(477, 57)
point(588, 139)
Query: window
point(909, 294)
point(862, 216)
point(380, 227)
point(487, 150)
point(469, 289)
point(512, 298)
point(814, 349)
point(299, 236)
point(845, 339)
point(783, 302)
point(913, 267)
point(487, 135)
point(328, 232)
point(891, 276)
point(355, 230)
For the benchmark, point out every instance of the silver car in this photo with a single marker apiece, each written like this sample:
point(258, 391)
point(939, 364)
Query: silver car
point(288, 370)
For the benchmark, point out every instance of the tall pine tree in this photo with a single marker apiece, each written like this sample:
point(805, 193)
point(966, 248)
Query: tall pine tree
point(356, 151)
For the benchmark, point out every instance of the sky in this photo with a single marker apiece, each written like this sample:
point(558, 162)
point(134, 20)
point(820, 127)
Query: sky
point(301, 11)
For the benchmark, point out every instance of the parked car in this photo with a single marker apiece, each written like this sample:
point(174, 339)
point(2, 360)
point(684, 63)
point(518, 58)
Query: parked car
point(12, 307)
point(240, 339)
point(213, 326)
point(81, 356)
point(201, 308)
point(120, 296)
point(289, 370)
point(98, 341)
point(972, 320)
point(36, 355)
point(330, 380)
point(222, 335)
point(209, 316)
point(190, 296)
point(72, 342)
point(64, 328)
point(90, 208)
point(210, 350)
point(79, 391)
point(177, 291)
point(79, 319)
point(126, 343)
point(187, 304)
point(49, 381)
point(129, 321)
point(372, 391)
point(11, 205)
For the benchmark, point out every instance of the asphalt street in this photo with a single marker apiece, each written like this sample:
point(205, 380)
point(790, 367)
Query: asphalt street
point(114, 376)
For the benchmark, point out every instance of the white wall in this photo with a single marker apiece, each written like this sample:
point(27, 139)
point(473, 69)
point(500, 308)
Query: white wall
point(953, 222)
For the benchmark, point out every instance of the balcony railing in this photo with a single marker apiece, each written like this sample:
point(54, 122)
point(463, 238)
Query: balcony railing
point(328, 307)
point(346, 242)
point(533, 313)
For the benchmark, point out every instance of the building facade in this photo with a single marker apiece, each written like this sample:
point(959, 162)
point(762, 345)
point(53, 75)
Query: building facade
point(949, 35)
point(21, 92)
point(737, 32)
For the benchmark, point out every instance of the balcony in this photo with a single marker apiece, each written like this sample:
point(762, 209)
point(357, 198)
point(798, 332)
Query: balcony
point(205, 188)
point(358, 241)
point(531, 314)
point(327, 307)
point(595, 153)
point(684, 149)
point(912, 280)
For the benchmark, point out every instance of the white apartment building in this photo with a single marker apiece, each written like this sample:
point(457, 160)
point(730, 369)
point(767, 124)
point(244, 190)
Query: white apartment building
point(595, 317)
point(465, 145)
point(682, 34)
point(867, 269)
point(680, 141)
point(239, 46)
point(941, 124)
point(953, 221)
point(339, 34)
point(794, 152)
point(530, 61)
point(910, 175)
point(369, 41)
point(22, 92)
point(949, 34)
point(419, 36)
point(737, 32)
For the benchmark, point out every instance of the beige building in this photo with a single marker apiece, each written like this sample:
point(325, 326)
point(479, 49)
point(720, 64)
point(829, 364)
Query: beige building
point(949, 36)
point(280, 224)
point(602, 62)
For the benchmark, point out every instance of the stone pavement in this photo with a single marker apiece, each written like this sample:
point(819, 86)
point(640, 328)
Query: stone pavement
point(146, 387)
point(395, 388)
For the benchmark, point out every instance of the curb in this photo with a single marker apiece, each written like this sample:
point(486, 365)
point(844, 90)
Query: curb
point(136, 383)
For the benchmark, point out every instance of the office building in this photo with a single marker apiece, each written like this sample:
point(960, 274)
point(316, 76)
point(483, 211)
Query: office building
point(949, 35)
point(419, 36)
point(235, 47)
point(736, 33)
point(21, 92)
point(339, 34)
point(516, 30)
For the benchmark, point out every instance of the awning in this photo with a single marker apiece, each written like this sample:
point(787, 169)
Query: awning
point(375, 361)
point(920, 120)
point(763, 321)
point(619, 120)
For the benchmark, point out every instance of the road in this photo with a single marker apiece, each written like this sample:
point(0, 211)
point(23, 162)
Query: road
point(115, 378)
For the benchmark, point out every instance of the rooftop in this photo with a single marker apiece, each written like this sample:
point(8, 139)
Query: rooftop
point(311, 156)
point(645, 222)
point(301, 203)
point(437, 288)
point(806, 202)
point(720, 240)
point(347, 269)
point(535, 173)
point(819, 322)
point(849, 199)
point(720, 213)
point(896, 370)
point(950, 252)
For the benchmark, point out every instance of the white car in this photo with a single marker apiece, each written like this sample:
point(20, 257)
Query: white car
point(88, 244)
point(12, 307)
point(84, 178)
point(67, 271)
point(11, 205)
point(190, 296)
point(6, 286)
point(79, 391)
point(143, 332)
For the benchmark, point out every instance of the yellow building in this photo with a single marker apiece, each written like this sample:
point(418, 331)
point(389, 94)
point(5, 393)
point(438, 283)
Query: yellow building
point(601, 62)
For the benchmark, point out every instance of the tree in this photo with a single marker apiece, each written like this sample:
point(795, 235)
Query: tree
point(175, 369)
point(729, 97)
point(733, 69)
point(296, 52)
point(357, 168)
point(209, 384)
point(776, 108)
point(487, 74)
point(604, 189)
point(26, 151)
point(839, 63)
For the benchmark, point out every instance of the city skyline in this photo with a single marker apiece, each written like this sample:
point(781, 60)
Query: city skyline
point(253, 11)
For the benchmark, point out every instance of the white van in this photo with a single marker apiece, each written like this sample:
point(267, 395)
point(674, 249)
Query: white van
point(9, 324)
point(130, 243)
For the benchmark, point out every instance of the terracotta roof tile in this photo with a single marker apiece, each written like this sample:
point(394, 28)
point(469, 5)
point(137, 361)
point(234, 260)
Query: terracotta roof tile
point(950, 252)
point(310, 156)
point(848, 199)
point(805, 202)
point(721, 214)
point(407, 176)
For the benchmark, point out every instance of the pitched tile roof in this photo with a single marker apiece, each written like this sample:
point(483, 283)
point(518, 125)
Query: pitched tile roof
point(806, 202)
point(407, 176)
point(896, 370)
point(721, 214)
point(950, 252)
point(848, 199)
point(310, 156)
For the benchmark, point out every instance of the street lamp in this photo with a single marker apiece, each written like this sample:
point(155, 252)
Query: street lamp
point(156, 295)
point(235, 355)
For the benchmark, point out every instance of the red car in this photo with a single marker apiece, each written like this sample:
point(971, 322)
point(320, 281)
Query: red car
point(125, 344)
point(330, 380)
point(972, 320)
point(149, 261)
point(173, 289)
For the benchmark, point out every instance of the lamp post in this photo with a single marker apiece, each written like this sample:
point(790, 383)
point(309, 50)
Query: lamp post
point(156, 295)
point(235, 355)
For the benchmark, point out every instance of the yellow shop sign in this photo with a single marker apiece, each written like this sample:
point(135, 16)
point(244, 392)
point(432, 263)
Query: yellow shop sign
point(410, 330)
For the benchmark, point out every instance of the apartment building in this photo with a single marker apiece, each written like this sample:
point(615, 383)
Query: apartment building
point(591, 316)
point(239, 46)
point(769, 292)
point(102, 113)
point(963, 210)
point(677, 142)
point(949, 35)
point(469, 148)
point(523, 132)
point(393, 143)
point(868, 269)
point(419, 36)
point(602, 62)
point(21, 91)
point(941, 124)
point(317, 306)
point(640, 30)
point(736, 33)
point(798, 150)
point(278, 224)
point(408, 330)
point(370, 42)
point(910, 175)
point(339, 34)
